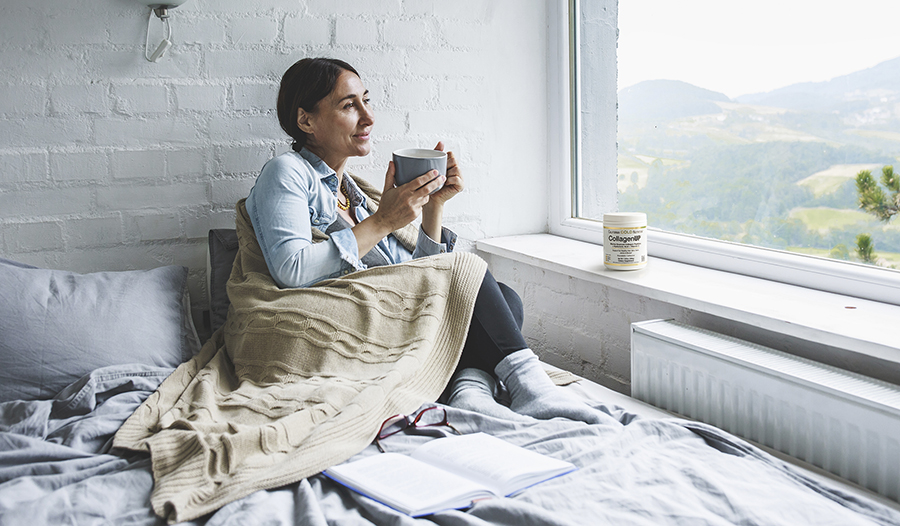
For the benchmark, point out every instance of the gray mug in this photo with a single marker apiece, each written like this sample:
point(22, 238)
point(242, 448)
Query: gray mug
point(410, 163)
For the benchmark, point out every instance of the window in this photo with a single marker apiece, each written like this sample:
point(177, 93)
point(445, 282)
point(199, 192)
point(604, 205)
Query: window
point(737, 182)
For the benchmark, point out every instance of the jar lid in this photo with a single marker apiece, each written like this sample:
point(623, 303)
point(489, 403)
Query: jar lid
point(638, 219)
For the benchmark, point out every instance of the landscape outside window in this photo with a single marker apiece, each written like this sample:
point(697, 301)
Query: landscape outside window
point(750, 122)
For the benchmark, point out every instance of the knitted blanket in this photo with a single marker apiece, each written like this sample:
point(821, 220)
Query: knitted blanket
point(298, 380)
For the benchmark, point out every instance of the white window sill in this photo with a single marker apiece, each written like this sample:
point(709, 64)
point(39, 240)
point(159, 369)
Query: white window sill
point(862, 326)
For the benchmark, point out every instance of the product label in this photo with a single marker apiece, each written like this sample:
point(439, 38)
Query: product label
point(625, 247)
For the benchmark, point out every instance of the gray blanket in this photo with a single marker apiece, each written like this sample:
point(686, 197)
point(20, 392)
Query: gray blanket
point(56, 467)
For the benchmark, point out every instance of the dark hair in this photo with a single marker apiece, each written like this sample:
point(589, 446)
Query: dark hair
point(303, 85)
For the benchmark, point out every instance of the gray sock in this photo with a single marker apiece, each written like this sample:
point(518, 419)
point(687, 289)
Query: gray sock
point(473, 389)
point(532, 392)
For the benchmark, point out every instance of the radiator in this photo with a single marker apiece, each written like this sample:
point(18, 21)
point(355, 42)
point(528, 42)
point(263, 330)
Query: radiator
point(842, 422)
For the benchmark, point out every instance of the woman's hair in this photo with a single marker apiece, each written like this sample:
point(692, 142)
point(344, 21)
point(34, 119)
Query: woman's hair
point(303, 85)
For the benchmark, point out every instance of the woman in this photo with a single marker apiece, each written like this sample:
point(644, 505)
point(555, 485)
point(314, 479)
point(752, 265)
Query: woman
point(324, 106)
point(306, 193)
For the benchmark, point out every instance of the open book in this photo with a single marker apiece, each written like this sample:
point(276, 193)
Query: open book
point(448, 473)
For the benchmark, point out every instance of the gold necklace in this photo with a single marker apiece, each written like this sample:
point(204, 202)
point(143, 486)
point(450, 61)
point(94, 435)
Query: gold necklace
point(347, 197)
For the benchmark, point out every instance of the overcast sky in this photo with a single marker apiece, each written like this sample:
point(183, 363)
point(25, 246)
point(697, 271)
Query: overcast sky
point(738, 47)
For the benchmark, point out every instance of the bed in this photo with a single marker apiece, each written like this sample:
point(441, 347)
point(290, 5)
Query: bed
point(97, 345)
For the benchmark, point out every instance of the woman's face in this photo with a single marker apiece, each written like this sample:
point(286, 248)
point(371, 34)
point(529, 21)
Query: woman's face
point(340, 125)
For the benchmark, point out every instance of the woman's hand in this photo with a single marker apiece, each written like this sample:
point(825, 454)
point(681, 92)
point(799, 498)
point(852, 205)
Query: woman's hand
point(433, 211)
point(401, 205)
point(454, 183)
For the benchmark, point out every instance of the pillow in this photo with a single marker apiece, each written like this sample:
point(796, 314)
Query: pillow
point(223, 247)
point(56, 326)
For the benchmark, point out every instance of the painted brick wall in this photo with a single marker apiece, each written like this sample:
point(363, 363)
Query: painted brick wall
point(110, 162)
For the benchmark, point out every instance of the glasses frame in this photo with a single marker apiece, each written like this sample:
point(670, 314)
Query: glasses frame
point(408, 421)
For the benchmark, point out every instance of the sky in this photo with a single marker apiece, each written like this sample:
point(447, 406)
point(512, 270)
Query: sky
point(738, 47)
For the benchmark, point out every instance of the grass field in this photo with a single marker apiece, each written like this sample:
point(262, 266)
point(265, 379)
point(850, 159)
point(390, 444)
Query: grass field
point(634, 170)
point(822, 219)
point(829, 180)
point(876, 134)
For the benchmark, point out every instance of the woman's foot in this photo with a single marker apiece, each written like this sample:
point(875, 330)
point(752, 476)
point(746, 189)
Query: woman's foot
point(473, 389)
point(532, 392)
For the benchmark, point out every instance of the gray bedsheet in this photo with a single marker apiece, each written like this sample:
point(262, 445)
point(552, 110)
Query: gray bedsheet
point(56, 468)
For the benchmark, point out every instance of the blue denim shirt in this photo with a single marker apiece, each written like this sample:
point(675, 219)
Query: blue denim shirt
point(295, 192)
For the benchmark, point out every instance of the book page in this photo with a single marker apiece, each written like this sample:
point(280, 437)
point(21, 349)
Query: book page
point(406, 484)
point(499, 465)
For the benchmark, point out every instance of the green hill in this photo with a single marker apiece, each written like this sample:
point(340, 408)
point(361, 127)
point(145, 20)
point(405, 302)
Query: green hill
point(774, 169)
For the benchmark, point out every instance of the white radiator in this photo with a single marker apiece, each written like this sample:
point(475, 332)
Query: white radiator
point(842, 422)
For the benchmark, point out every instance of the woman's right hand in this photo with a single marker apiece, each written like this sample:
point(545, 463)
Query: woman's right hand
point(400, 205)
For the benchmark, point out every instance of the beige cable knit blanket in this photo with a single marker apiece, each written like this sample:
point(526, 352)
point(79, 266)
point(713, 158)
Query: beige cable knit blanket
point(300, 379)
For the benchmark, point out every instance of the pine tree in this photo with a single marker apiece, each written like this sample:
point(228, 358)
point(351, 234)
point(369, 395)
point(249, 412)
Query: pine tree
point(873, 199)
point(865, 249)
point(882, 204)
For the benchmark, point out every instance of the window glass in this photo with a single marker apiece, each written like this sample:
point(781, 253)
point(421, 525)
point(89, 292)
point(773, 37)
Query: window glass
point(750, 122)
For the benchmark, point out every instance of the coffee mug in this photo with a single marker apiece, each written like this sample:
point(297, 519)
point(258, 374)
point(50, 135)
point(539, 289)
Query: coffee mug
point(410, 163)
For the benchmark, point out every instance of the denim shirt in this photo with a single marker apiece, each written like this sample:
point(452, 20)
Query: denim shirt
point(296, 192)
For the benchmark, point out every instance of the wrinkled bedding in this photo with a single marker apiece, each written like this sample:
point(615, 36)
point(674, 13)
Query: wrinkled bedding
point(56, 467)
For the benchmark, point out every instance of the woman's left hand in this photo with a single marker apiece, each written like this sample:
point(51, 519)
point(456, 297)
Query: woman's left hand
point(452, 186)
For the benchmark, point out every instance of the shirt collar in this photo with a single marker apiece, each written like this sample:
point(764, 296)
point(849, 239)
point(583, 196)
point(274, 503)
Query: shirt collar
point(326, 174)
point(329, 177)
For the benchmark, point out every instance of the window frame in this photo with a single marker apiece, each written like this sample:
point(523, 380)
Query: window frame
point(840, 277)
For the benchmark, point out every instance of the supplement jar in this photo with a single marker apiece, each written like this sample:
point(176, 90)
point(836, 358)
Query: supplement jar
point(625, 240)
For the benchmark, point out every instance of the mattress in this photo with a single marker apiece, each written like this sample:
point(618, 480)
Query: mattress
point(641, 466)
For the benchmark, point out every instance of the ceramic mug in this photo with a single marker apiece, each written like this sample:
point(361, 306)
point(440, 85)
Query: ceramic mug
point(410, 163)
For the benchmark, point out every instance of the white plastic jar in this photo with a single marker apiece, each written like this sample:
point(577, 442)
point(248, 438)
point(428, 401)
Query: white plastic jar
point(625, 240)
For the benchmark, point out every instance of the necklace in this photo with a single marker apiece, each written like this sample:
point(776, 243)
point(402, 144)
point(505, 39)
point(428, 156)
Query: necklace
point(347, 197)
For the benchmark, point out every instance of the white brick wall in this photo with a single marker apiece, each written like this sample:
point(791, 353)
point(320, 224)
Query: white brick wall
point(110, 162)
point(356, 32)
point(78, 166)
point(22, 99)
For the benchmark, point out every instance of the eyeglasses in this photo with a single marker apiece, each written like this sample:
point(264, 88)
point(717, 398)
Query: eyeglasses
point(428, 417)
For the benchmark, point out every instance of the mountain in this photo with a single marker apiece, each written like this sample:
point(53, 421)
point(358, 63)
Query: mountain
point(771, 169)
point(861, 109)
point(663, 100)
point(850, 92)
